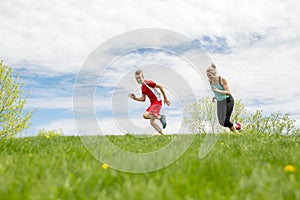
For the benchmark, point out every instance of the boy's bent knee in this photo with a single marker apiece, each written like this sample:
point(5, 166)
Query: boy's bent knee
point(146, 115)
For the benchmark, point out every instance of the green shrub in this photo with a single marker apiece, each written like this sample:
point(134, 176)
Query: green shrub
point(12, 102)
point(275, 123)
point(203, 112)
point(50, 133)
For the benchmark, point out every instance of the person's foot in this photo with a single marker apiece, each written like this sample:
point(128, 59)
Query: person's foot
point(163, 120)
point(158, 134)
point(233, 129)
point(238, 126)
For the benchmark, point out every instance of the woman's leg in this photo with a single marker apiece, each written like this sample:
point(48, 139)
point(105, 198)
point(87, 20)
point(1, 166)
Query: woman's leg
point(229, 109)
point(221, 111)
point(224, 110)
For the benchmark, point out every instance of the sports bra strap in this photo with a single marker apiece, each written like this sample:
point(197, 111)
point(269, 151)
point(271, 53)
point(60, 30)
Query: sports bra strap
point(220, 81)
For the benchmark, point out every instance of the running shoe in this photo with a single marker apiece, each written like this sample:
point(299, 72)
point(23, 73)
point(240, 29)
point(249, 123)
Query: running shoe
point(163, 121)
point(238, 126)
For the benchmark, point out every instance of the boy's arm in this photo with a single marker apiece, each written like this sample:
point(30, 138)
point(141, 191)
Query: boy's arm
point(142, 98)
point(166, 100)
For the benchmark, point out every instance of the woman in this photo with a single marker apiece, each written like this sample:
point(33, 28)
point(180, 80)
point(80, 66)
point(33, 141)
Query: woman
point(225, 101)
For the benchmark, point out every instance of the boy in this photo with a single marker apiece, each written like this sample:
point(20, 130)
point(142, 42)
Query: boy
point(149, 90)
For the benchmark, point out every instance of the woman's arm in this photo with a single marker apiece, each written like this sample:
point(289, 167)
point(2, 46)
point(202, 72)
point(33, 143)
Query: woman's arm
point(225, 85)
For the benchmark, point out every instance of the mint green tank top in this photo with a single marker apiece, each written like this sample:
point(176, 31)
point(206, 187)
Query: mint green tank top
point(218, 95)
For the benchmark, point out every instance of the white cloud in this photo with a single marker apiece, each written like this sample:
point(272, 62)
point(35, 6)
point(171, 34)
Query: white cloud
point(61, 34)
point(50, 103)
point(262, 71)
point(55, 37)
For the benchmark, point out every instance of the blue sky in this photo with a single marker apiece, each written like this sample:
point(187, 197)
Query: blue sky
point(254, 44)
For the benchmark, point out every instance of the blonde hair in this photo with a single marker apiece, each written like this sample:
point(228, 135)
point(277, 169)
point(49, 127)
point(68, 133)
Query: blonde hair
point(138, 72)
point(212, 71)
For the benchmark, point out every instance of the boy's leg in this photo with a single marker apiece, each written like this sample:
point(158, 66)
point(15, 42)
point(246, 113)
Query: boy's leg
point(155, 126)
point(147, 115)
point(152, 118)
point(163, 120)
point(154, 109)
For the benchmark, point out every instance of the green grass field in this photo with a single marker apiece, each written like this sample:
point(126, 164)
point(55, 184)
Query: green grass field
point(246, 166)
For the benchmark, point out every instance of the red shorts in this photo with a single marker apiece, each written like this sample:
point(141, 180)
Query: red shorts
point(154, 108)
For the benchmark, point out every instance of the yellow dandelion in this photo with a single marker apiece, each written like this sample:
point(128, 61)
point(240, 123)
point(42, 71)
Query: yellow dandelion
point(289, 168)
point(48, 136)
point(105, 166)
point(222, 143)
point(30, 155)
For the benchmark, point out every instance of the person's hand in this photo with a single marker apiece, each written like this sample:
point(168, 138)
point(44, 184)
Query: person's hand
point(214, 99)
point(167, 102)
point(215, 89)
point(132, 96)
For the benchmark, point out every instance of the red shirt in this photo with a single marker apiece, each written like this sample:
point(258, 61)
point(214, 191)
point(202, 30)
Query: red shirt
point(150, 91)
